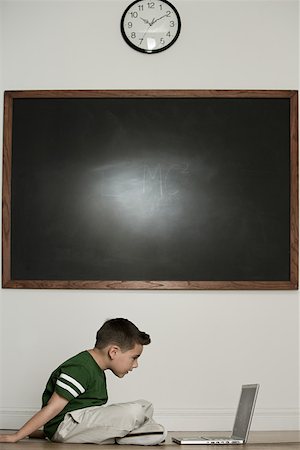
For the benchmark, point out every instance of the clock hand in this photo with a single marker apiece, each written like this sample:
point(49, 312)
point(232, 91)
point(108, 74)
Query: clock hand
point(155, 20)
point(150, 24)
point(146, 21)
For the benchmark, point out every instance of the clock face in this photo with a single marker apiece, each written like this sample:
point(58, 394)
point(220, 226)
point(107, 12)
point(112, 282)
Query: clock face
point(150, 26)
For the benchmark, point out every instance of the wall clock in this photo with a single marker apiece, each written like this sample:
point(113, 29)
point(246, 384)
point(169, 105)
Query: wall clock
point(150, 26)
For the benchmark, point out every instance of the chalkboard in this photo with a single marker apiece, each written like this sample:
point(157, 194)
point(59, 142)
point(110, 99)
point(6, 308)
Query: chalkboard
point(150, 189)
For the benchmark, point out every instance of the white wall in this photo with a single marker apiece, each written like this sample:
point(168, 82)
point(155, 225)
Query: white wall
point(205, 343)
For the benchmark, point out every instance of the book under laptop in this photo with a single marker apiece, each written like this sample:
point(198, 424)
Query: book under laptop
point(241, 425)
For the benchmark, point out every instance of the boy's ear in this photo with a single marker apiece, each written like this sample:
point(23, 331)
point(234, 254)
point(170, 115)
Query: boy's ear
point(113, 351)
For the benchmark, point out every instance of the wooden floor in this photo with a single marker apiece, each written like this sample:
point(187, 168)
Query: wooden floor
point(258, 440)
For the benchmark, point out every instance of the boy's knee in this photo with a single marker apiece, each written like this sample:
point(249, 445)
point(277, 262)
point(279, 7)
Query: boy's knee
point(144, 403)
point(147, 407)
point(130, 415)
point(136, 412)
point(139, 411)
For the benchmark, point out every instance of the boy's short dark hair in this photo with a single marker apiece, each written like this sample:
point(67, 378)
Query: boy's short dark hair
point(120, 332)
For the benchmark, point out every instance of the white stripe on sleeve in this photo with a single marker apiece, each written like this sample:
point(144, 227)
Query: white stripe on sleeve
point(67, 388)
point(73, 381)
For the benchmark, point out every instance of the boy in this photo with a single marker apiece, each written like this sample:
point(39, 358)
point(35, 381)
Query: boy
point(72, 404)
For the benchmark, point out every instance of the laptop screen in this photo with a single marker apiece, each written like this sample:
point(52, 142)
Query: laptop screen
point(245, 411)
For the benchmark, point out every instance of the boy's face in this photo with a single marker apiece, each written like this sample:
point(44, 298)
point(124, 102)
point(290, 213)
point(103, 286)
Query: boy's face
point(126, 361)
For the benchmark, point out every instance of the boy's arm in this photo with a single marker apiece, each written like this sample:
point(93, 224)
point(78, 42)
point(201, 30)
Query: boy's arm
point(55, 405)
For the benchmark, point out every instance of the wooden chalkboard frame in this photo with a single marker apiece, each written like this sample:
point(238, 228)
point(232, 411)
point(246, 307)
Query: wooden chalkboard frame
point(8, 282)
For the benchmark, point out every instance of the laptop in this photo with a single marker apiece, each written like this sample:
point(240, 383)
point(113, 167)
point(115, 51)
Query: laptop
point(241, 425)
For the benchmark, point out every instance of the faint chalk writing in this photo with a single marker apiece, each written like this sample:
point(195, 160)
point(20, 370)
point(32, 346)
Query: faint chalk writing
point(155, 181)
point(163, 180)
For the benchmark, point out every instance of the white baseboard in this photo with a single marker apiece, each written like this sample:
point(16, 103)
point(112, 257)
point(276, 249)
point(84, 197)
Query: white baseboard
point(14, 418)
point(187, 419)
point(222, 419)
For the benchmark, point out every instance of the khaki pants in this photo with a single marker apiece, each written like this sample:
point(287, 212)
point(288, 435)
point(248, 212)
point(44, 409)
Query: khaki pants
point(101, 424)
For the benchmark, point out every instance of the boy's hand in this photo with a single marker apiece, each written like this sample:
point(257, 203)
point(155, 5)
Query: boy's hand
point(55, 405)
point(9, 438)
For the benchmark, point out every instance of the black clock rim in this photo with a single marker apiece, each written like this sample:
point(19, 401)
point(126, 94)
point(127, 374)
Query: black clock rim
point(149, 52)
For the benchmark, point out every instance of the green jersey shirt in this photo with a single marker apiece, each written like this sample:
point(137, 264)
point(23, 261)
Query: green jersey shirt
point(81, 381)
